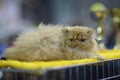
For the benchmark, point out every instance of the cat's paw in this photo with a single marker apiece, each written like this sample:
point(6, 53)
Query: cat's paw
point(100, 58)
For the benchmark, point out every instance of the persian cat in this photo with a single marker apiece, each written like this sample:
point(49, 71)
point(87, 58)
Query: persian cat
point(53, 42)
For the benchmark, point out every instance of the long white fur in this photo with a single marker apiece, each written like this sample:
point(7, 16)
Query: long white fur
point(48, 43)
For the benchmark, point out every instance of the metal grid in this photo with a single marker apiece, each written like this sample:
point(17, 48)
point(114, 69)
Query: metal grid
point(104, 70)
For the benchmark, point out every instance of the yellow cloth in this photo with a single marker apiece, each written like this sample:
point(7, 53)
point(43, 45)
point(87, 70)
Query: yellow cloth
point(108, 54)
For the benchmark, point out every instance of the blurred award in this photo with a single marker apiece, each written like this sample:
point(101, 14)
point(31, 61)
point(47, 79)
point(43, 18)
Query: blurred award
point(98, 13)
point(115, 12)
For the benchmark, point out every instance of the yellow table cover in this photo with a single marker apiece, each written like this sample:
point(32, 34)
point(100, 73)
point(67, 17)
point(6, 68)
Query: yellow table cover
point(108, 54)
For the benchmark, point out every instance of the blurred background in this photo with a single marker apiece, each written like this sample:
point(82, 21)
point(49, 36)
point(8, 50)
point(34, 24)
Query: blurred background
point(17, 16)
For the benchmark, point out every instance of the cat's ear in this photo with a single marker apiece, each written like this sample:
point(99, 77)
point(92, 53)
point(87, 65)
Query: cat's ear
point(66, 29)
point(90, 31)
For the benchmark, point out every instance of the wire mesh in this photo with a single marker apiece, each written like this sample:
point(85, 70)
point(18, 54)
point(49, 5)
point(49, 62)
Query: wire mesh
point(103, 70)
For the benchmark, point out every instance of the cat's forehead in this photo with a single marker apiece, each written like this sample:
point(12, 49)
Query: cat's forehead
point(79, 29)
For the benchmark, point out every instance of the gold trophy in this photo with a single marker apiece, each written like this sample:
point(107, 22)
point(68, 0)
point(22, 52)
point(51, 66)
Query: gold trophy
point(115, 12)
point(98, 12)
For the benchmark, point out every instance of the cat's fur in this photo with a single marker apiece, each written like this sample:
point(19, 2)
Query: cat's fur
point(53, 42)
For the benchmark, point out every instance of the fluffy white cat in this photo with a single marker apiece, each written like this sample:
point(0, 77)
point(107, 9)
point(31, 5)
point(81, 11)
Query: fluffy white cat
point(53, 42)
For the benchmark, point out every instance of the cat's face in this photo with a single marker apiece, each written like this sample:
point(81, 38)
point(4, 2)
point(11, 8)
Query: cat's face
point(79, 37)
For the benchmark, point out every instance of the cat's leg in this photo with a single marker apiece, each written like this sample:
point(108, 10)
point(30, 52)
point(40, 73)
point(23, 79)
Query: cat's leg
point(96, 56)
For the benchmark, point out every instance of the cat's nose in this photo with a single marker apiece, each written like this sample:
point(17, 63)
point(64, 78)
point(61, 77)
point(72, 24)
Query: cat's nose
point(82, 40)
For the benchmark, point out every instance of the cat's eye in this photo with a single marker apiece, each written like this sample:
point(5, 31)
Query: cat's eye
point(71, 39)
point(82, 40)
